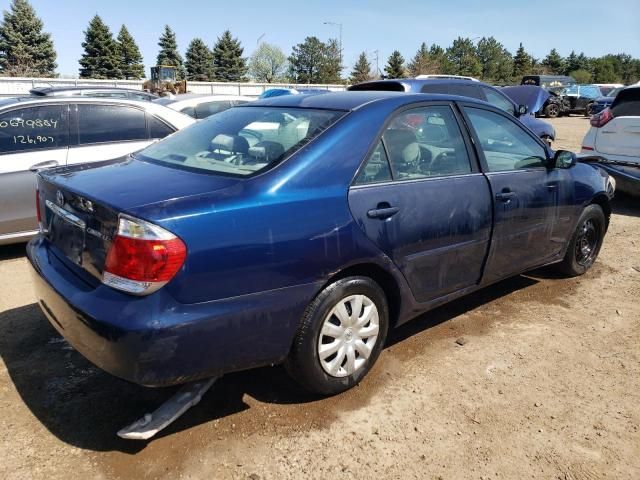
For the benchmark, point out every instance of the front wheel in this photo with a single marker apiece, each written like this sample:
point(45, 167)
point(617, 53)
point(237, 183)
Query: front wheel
point(552, 110)
point(340, 336)
point(585, 243)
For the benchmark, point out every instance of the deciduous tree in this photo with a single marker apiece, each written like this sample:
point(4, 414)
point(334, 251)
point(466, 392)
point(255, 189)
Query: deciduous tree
point(268, 64)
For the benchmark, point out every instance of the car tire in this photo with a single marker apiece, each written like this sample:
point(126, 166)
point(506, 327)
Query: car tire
point(587, 110)
point(585, 242)
point(552, 110)
point(320, 364)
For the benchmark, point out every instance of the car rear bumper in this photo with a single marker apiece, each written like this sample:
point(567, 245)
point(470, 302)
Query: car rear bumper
point(155, 341)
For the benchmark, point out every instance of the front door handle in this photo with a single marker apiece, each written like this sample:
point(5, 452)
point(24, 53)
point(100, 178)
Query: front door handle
point(383, 211)
point(42, 165)
point(505, 195)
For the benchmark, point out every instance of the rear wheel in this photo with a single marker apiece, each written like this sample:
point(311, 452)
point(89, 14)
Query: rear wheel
point(588, 111)
point(340, 336)
point(585, 243)
point(552, 110)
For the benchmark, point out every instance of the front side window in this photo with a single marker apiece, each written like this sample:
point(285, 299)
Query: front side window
point(110, 123)
point(241, 140)
point(34, 128)
point(498, 101)
point(505, 145)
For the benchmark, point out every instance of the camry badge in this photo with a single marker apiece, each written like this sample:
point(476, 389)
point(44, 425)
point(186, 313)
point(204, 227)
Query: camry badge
point(59, 198)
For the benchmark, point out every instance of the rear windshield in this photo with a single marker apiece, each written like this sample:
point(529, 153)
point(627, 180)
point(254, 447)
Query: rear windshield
point(627, 103)
point(241, 140)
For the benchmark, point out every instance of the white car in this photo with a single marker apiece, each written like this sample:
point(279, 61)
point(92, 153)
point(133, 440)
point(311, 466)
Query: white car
point(614, 137)
point(201, 106)
point(45, 132)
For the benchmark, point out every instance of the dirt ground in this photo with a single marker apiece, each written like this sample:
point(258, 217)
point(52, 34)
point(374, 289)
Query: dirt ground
point(546, 385)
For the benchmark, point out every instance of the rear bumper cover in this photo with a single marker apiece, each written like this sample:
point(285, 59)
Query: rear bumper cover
point(155, 341)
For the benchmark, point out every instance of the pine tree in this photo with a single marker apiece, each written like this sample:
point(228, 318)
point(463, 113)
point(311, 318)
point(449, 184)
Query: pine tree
point(331, 69)
point(522, 62)
point(199, 61)
point(361, 70)
point(554, 62)
point(228, 64)
point(462, 56)
point(496, 61)
point(395, 66)
point(421, 63)
point(25, 50)
point(129, 54)
point(306, 61)
point(268, 64)
point(168, 54)
point(100, 58)
point(438, 59)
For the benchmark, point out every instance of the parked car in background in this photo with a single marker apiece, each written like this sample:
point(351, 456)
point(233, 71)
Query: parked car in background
point(303, 251)
point(446, 77)
point(201, 106)
point(548, 81)
point(614, 139)
point(606, 88)
point(603, 102)
point(92, 91)
point(44, 132)
point(466, 88)
point(581, 98)
point(278, 92)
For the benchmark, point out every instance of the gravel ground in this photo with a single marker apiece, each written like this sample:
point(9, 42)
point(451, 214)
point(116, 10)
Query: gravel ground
point(546, 384)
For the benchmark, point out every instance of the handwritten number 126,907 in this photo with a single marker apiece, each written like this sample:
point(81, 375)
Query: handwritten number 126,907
point(33, 140)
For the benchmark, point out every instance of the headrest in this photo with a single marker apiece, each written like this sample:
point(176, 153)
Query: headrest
point(229, 143)
point(266, 151)
point(402, 145)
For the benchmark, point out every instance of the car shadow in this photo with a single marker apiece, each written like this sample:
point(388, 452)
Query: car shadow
point(626, 205)
point(85, 407)
point(10, 252)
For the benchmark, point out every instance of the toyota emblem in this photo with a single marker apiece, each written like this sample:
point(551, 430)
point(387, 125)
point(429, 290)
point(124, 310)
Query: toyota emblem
point(59, 198)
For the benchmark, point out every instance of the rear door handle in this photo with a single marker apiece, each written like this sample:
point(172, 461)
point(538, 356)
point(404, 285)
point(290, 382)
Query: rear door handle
point(41, 165)
point(383, 213)
point(505, 196)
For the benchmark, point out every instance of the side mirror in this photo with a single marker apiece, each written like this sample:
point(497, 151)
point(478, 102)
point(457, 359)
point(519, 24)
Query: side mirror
point(523, 109)
point(564, 159)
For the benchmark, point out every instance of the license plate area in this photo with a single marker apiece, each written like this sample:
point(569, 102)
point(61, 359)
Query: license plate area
point(67, 232)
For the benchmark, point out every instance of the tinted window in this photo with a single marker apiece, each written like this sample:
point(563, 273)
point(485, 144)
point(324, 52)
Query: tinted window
point(110, 123)
point(241, 141)
point(139, 96)
point(506, 146)
point(425, 142)
point(157, 128)
point(453, 89)
point(34, 128)
point(627, 103)
point(376, 169)
point(102, 94)
point(203, 110)
point(189, 111)
point(497, 100)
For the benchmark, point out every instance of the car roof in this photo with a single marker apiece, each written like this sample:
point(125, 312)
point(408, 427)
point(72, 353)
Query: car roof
point(50, 90)
point(351, 100)
point(195, 98)
point(412, 84)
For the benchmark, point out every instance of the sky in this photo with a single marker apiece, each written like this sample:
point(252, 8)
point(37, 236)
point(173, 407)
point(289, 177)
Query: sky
point(594, 27)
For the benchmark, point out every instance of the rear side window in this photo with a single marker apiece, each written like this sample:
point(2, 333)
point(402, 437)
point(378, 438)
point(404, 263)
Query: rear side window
point(376, 169)
point(204, 110)
point(157, 128)
point(110, 123)
point(627, 103)
point(34, 128)
point(460, 89)
point(505, 145)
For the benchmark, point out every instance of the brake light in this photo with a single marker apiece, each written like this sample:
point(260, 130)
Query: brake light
point(38, 212)
point(584, 147)
point(602, 118)
point(143, 257)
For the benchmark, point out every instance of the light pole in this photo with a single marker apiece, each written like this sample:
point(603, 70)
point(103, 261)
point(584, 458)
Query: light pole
point(339, 25)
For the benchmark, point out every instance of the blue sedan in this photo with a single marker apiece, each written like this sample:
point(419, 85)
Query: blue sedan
point(299, 230)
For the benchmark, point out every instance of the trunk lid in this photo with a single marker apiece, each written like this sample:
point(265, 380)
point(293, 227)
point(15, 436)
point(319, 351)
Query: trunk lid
point(80, 204)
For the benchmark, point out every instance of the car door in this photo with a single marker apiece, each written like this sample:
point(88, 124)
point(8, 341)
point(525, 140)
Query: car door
point(31, 138)
point(106, 131)
point(420, 197)
point(527, 195)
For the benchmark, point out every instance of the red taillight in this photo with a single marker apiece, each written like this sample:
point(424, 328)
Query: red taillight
point(602, 118)
point(587, 148)
point(38, 212)
point(142, 257)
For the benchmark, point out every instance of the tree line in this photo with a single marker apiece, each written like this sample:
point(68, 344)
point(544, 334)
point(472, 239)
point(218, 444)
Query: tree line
point(26, 50)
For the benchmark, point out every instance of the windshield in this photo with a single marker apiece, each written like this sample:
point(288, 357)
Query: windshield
point(614, 92)
point(241, 140)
